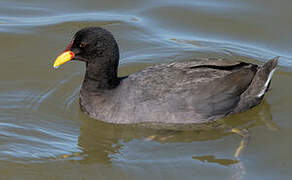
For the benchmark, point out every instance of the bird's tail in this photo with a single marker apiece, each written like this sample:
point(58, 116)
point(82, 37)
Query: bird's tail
point(262, 79)
point(258, 87)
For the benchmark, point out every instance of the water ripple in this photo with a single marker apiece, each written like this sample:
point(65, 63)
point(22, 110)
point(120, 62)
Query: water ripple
point(26, 140)
point(71, 17)
point(233, 48)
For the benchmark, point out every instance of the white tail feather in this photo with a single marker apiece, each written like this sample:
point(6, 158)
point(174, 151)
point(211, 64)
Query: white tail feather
point(267, 83)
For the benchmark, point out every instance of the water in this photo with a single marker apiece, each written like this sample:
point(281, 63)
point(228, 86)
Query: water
point(44, 135)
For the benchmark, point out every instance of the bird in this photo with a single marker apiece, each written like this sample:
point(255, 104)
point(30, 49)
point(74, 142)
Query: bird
point(182, 92)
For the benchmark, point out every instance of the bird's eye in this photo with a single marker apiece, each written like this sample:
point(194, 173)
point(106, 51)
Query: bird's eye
point(82, 45)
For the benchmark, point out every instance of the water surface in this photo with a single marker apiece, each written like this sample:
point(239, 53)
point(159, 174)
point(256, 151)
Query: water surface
point(44, 135)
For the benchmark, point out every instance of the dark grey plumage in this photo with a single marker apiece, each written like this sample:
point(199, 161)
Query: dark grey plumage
point(195, 91)
point(182, 92)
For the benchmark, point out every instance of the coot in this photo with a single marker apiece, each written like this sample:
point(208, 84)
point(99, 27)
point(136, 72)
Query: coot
point(193, 91)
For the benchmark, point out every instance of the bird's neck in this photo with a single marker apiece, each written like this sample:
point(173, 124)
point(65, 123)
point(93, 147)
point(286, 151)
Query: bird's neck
point(100, 77)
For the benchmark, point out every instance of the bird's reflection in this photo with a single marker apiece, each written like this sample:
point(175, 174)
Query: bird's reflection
point(101, 141)
point(212, 159)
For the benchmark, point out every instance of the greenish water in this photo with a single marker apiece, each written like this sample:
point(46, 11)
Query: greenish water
point(44, 135)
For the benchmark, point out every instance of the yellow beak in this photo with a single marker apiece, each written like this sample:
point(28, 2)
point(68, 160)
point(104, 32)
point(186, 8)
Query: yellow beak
point(62, 58)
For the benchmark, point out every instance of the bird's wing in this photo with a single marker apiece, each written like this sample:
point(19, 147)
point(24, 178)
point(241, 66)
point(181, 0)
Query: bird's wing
point(208, 88)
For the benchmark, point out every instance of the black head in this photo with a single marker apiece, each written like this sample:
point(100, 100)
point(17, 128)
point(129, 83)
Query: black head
point(91, 45)
point(99, 50)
